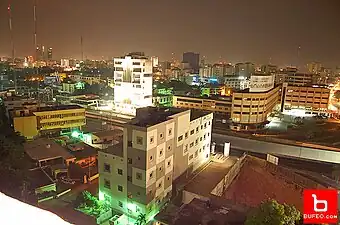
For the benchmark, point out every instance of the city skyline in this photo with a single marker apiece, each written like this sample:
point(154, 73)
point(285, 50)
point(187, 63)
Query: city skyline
point(232, 31)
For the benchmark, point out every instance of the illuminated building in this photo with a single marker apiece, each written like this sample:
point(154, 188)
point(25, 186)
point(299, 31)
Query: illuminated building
point(192, 59)
point(16, 212)
point(261, 83)
point(164, 100)
point(247, 110)
point(305, 100)
point(72, 86)
point(205, 71)
point(158, 146)
point(65, 63)
point(93, 79)
point(244, 69)
point(47, 121)
point(268, 69)
point(133, 83)
point(49, 54)
point(210, 90)
point(154, 60)
point(38, 53)
point(314, 67)
point(299, 79)
point(236, 82)
point(218, 70)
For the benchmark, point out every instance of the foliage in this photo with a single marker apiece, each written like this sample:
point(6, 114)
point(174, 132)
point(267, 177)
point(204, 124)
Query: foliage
point(90, 205)
point(141, 219)
point(14, 163)
point(273, 213)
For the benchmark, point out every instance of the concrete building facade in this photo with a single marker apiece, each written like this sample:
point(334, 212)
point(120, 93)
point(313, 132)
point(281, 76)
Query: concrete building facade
point(158, 146)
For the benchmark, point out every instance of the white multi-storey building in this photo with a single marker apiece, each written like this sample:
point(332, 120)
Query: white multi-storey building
point(133, 82)
point(158, 146)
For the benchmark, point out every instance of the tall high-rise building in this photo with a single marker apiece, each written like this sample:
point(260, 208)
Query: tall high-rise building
point(192, 59)
point(314, 67)
point(38, 53)
point(133, 82)
point(155, 61)
point(157, 147)
point(49, 54)
point(244, 69)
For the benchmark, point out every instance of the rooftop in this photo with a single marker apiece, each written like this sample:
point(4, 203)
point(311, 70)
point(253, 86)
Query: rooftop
point(195, 114)
point(45, 149)
point(255, 184)
point(116, 149)
point(206, 180)
point(59, 107)
point(38, 178)
point(149, 116)
point(200, 212)
point(106, 133)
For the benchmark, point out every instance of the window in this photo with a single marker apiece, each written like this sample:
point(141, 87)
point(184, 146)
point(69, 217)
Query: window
point(151, 140)
point(185, 148)
point(205, 125)
point(180, 138)
point(169, 148)
point(196, 142)
point(138, 193)
point(161, 135)
point(139, 176)
point(129, 178)
point(186, 135)
point(160, 168)
point(209, 123)
point(170, 131)
point(208, 134)
point(129, 210)
point(196, 129)
point(160, 152)
point(201, 138)
point(201, 127)
point(120, 188)
point(120, 171)
point(191, 144)
point(151, 158)
point(160, 185)
point(139, 140)
point(120, 204)
point(169, 163)
point(151, 174)
point(129, 160)
point(192, 132)
point(191, 157)
point(107, 184)
point(196, 153)
point(107, 168)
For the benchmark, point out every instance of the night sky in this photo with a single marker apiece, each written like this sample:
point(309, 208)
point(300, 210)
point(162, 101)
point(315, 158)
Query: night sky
point(260, 31)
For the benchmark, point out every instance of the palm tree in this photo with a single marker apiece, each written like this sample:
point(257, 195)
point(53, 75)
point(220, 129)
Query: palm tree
point(141, 219)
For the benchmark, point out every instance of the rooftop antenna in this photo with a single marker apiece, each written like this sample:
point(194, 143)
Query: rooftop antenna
point(12, 42)
point(82, 49)
point(35, 28)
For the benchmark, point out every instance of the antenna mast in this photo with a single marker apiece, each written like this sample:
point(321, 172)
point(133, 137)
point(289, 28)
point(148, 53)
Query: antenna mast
point(12, 42)
point(82, 49)
point(35, 28)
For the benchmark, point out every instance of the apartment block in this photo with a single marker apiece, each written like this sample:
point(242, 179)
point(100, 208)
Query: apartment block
point(48, 121)
point(158, 146)
point(305, 100)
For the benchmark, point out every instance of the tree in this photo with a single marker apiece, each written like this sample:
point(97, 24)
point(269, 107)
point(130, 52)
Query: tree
point(273, 213)
point(141, 219)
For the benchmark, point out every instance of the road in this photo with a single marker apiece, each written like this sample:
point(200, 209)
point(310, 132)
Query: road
point(298, 152)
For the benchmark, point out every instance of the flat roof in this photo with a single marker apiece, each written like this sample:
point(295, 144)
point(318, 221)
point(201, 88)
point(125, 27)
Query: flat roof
point(45, 149)
point(116, 149)
point(195, 114)
point(200, 212)
point(149, 116)
point(86, 152)
point(207, 179)
point(106, 133)
point(38, 178)
point(58, 107)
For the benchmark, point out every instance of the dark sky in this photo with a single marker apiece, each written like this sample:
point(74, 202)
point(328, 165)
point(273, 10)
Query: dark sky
point(234, 30)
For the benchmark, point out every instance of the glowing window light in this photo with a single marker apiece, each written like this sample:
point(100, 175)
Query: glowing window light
point(75, 134)
point(17, 212)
